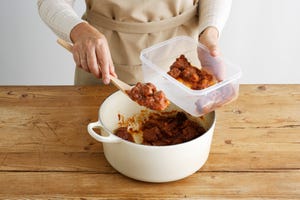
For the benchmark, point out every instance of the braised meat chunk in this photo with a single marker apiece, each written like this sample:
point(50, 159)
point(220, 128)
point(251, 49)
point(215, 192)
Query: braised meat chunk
point(146, 94)
point(189, 75)
point(123, 133)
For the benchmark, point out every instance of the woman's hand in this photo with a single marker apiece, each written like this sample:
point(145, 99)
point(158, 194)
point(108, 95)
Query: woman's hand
point(91, 51)
point(210, 60)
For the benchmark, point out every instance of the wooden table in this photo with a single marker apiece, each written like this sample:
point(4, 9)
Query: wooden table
point(46, 152)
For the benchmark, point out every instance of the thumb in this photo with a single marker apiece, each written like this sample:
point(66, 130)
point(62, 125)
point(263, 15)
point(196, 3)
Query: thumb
point(214, 50)
point(209, 38)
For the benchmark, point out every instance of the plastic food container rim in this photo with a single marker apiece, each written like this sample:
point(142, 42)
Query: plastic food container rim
point(181, 85)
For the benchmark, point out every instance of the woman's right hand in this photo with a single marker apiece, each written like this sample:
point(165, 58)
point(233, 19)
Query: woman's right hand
point(91, 51)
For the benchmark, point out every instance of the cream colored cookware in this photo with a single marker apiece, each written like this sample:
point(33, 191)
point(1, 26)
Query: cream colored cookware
point(149, 163)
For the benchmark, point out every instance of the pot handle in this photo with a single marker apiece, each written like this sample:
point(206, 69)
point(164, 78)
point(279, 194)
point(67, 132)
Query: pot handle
point(111, 138)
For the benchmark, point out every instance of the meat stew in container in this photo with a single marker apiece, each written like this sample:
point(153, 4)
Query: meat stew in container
point(189, 76)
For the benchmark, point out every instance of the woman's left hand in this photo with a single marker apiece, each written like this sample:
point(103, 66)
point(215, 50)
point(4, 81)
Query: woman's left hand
point(210, 60)
point(209, 37)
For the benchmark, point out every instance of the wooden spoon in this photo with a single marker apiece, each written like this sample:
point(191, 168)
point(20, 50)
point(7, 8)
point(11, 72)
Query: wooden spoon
point(158, 101)
point(117, 82)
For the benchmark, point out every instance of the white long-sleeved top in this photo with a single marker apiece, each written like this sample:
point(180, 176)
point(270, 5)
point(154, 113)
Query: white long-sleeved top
point(60, 16)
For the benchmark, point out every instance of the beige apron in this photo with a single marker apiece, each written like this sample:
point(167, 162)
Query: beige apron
point(132, 25)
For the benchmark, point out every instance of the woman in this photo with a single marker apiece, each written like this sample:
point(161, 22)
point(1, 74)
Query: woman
point(109, 37)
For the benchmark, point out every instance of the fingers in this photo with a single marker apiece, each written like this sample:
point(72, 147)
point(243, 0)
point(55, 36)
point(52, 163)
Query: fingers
point(80, 57)
point(103, 58)
point(76, 57)
point(213, 50)
point(209, 38)
point(211, 44)
point(111, 66)
point(210, 59)
point(83, 61)
point(92, 62)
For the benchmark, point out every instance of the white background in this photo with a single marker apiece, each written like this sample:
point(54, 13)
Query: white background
point(262, 36)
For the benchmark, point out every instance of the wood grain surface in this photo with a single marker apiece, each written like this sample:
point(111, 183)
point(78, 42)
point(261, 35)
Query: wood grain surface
point(46, 152)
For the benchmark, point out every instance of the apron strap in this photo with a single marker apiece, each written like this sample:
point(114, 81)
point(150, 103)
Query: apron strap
point(146, 27)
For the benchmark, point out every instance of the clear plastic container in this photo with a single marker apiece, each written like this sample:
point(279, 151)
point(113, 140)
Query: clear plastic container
point(156, 62)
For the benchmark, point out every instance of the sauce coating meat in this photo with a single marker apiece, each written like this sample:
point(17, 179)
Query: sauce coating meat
point(189, 75)
point(124, 134)
point(146, 94)
point(159, 130)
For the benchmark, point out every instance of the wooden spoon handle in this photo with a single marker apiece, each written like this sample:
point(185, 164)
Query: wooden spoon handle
point(117, 82)
point(65, 44)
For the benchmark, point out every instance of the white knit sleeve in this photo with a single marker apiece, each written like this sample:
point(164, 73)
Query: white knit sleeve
point(214, 13)
point(60, 16)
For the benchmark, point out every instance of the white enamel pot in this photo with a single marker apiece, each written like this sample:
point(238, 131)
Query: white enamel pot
point(143, 162)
